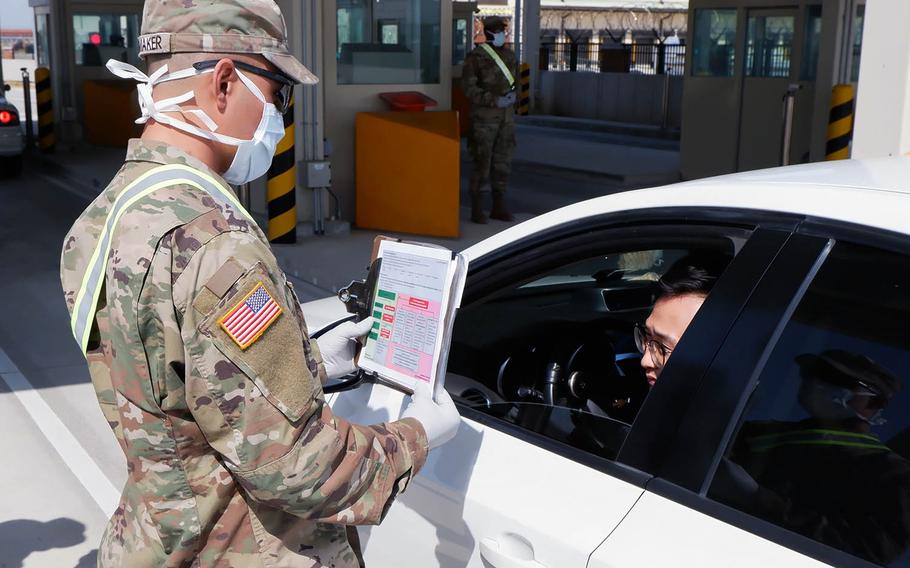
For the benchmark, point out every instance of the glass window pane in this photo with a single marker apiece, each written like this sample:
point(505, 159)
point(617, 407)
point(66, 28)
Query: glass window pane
point(857, 41)
point(769, 45)
point(812, 41)
point(388, 42)
point(460, 40)
point(714, 47)
point(99, 37)
point(42, 39)
point(823, 447)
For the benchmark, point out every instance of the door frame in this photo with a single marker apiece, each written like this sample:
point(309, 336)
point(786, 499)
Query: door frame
point(646, 445)
point(796, 54)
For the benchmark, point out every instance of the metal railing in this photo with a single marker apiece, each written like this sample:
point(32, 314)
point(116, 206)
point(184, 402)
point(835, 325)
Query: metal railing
point(641, 58)
point(768, 60)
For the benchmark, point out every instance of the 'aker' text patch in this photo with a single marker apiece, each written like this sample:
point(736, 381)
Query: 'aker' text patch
point(248, 320)
point(154, 43)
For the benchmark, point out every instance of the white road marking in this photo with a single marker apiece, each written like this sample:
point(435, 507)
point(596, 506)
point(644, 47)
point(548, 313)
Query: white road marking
point(67, 446)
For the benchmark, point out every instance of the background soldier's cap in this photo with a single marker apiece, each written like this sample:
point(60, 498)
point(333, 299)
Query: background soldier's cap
point(220, 26)
point(848, 370)
point(494, 24)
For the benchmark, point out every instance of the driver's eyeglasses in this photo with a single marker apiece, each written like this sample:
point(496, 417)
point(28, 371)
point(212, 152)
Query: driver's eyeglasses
point(644, 342)
point(285, 85)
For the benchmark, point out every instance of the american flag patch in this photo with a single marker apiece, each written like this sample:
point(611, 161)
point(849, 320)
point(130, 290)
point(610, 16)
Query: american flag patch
point(248, 320)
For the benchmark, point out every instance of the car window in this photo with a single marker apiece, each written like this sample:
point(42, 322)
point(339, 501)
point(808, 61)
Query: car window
point(823, 446)
point(552, 350)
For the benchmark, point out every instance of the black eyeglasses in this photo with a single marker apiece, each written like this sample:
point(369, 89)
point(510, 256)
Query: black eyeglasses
point(285, 85)
point(644, 342)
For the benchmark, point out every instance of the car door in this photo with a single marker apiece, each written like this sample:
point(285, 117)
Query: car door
point(535, 478)
point(803, 458)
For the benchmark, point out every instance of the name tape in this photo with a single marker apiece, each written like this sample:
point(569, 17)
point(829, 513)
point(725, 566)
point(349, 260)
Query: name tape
point(154, 43)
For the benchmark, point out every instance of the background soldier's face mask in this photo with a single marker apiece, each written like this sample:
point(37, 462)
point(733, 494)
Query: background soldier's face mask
point(499, 39)
point(253, 156)
point(831, 402)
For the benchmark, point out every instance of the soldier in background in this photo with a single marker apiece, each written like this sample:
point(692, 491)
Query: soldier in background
point(488, 80)
point(195, 340)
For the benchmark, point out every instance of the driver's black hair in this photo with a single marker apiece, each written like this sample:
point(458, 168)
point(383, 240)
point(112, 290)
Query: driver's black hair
point(692, 274)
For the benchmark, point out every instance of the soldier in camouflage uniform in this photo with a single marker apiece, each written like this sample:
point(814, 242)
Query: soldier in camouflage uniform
point(488, 81)
point(233, 456)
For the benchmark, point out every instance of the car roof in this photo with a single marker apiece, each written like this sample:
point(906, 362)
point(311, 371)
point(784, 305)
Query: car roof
point(871, 192)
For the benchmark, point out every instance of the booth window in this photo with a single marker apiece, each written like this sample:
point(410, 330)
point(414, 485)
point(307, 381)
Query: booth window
point(388, 41)
point(769, 45)
point(812, 42)
point(461, 40)
point(858, 20)
point(99, 37)
point(42, 41)
point(714, 46)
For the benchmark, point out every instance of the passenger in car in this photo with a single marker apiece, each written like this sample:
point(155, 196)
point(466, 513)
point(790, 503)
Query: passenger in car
point(828, 477)
point(683, 289)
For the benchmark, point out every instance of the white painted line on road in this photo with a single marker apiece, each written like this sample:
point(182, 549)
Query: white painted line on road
point(68, 447)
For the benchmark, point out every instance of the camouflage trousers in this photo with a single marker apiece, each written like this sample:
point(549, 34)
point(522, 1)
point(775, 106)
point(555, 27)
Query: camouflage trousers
point(491, 140)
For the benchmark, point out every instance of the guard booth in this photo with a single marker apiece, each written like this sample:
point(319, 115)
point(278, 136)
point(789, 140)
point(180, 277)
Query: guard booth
point(74, 39)
point(358, 49)
point(745, 56)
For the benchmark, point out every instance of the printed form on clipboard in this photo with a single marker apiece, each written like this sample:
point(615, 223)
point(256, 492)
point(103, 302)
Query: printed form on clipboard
point(417, 293)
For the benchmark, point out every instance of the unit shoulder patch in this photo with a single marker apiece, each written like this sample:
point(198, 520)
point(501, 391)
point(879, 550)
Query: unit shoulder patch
point(251, 317)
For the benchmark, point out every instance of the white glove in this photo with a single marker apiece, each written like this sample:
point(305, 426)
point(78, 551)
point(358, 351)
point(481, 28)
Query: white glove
point(439, 419)
point(507, 100)
point(338, 347)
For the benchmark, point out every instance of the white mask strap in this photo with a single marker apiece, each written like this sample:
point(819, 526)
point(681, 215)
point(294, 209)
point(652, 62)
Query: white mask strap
point(152, 109)
point(251, 86)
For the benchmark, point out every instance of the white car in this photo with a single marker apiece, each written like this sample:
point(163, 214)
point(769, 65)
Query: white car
point(11, 141)
point(725, 461)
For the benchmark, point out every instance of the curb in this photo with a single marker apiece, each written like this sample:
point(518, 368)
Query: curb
point(569, 123)
point(626, 181)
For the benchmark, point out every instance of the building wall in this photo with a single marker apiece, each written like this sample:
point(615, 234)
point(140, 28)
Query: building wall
point(620, 97)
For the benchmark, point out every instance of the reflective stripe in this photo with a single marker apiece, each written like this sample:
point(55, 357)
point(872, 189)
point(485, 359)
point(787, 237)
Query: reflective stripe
point(500, 63)
point(815, 437)
point(150, 182)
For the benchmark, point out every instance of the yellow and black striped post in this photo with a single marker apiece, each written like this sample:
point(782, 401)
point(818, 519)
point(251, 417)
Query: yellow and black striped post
point(47, 139)
point(281, 186)
point(840, 123)
point(524, 94)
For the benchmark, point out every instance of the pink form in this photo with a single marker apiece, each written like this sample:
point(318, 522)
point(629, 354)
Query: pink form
point(411, 334)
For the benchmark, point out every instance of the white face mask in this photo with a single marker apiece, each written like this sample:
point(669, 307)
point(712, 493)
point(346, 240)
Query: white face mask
point(253, 157)
point(830, 402)
point(499, 39)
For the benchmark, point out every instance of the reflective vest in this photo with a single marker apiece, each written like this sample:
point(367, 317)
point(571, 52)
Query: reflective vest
point(499, 63)
point(816, 437)
point(145, 185)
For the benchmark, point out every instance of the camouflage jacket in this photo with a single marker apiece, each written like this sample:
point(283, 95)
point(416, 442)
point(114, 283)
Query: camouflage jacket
point(234, 458)
point(483, 81)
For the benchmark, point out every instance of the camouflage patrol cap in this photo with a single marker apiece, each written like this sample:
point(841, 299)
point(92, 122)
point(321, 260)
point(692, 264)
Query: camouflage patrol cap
point(494, 24)
point(253, 27)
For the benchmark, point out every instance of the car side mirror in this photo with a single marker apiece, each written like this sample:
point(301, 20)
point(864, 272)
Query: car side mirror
point(6, 88)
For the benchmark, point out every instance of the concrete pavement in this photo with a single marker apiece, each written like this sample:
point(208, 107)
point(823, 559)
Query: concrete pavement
point(47, 517)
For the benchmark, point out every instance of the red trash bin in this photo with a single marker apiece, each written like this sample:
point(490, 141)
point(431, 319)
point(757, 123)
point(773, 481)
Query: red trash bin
point(408, 101)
